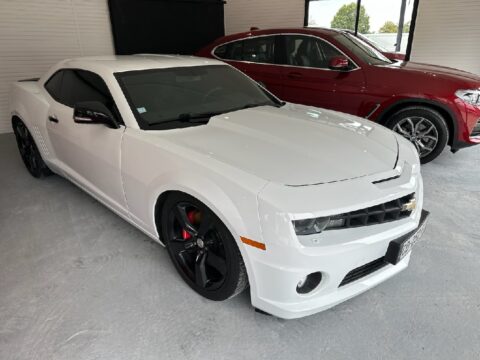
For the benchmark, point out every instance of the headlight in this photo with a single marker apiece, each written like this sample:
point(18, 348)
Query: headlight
point(316, 225)
point(469, 96)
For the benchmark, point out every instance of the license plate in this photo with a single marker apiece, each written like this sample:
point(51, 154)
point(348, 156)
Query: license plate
point(399, 248)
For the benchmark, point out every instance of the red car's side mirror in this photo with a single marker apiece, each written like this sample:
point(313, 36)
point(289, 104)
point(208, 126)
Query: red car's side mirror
point(338, 63)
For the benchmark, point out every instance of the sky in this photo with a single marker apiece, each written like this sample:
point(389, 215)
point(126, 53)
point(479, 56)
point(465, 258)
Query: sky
point(380, 11)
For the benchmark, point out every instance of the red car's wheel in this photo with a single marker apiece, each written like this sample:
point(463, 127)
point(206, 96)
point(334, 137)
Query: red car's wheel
point(423, 127)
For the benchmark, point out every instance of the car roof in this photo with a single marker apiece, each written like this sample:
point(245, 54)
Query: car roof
point(122, 63)
point(278, 31)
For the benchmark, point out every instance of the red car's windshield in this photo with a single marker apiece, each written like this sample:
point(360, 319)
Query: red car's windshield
point(361, 49)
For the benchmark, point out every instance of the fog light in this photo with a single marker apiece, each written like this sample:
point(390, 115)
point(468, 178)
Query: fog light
point(309, 283)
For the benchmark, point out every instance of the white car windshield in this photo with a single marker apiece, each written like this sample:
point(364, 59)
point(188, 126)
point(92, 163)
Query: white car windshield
point(187, 96)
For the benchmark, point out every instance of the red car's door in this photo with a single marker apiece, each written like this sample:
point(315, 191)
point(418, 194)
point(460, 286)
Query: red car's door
point(308, 79)
point(255, 57)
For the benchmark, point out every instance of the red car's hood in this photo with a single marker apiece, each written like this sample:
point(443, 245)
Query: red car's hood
point(436, 70)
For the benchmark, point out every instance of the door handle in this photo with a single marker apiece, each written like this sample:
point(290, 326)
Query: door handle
point(53, 118)
point(294, 75)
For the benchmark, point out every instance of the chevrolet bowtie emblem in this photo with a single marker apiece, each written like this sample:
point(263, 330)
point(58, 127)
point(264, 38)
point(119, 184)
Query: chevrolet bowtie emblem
point(410, 206)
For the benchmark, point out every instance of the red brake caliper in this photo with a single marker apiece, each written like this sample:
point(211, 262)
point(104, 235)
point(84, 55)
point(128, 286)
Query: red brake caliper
point(190, 216)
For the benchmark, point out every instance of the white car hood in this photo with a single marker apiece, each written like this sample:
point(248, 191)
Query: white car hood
point(295, 145)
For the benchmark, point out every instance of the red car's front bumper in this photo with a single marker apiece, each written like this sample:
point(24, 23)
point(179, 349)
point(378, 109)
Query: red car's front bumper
point(468, 126)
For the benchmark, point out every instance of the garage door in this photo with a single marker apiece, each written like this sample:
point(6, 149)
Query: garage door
point(36, 34)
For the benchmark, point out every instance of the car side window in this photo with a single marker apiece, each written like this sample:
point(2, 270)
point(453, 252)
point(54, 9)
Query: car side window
point(258, 49)
point(308, 51)
point(221, 51)
point(81, 85)
point(53, 86)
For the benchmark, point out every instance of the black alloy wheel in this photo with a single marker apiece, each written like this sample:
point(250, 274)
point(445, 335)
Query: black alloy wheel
point(201, 248)
point(28, 151)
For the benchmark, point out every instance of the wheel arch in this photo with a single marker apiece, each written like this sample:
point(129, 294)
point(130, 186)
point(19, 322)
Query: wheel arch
point(434, 105)
point(236, 206)
point(223, 206)
point(226, 210)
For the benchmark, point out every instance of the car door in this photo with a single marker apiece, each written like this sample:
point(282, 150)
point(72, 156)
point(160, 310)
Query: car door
point(255, 57)
point(308, 79)
point(89, 154)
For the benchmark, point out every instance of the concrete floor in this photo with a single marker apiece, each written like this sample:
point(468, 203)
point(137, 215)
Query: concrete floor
point(78, 282)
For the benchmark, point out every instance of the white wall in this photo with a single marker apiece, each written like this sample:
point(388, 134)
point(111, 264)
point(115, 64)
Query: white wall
point(448, 33)
point(34, 34)
point(240, 15)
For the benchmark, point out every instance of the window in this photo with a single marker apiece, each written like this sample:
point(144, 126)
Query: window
point(259, 49)
point(53, 86)
point(308, 51)
point(81, 85)
point(221, 51)
point(369, 54)
point(167, 98)
point(384, 23)
point(71, 86)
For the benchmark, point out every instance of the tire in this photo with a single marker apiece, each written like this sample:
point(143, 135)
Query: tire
point(202, 249)
point(28, 150)
point(426, 128)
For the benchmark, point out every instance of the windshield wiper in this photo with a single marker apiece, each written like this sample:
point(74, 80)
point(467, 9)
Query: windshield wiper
point(188, 117)
point(197, 118)
point(249, 106)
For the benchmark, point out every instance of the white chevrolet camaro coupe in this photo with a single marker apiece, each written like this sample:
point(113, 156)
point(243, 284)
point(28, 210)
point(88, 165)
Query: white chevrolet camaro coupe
point(308, 207)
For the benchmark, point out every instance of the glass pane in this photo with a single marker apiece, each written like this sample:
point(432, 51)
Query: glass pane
point(378, 20)
point(162, 96)
point(384, 16)
point(80, 85)
point(336, 14)
point(259, 49)
point(304, 51)
point(53, 86)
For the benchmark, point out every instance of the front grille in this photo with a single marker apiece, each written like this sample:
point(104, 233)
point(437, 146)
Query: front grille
point(374, 215)
point(363, 270)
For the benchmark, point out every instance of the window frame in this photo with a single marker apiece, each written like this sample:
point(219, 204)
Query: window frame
point(280, 45)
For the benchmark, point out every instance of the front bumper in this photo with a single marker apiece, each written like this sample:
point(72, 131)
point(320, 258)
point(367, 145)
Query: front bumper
point(466, 137)
point(278, 270)
point(278, 294)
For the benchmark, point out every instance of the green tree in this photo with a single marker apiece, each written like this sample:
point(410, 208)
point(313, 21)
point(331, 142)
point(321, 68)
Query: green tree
point(389, 27)
point(345, 18)
point(406, 27)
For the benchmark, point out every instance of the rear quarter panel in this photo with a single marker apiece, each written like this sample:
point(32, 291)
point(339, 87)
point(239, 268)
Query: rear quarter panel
point(28, 102)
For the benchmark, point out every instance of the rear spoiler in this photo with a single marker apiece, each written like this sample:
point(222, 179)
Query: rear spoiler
point(32, 79)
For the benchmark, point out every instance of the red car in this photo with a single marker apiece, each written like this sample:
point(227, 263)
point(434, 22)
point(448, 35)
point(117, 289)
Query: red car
point(432, 106)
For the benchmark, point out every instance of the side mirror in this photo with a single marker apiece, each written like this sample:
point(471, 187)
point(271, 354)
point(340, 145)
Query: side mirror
point(338, 63)
point(94, 112)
